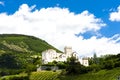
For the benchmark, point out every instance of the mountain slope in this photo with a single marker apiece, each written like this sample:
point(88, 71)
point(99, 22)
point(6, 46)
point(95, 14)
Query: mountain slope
point(23, 43)
point(20, 53)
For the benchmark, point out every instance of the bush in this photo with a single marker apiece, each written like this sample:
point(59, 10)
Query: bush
point(48, 69)
point(4, 72)
point(16, 77)
point(49, 64)
point(108, 64)
point(94, 67)
point(73, 66)
point(117, 64)
point(84, 69)
point(61, 65)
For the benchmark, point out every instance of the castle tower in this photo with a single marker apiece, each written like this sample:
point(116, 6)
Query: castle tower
point(68, 51)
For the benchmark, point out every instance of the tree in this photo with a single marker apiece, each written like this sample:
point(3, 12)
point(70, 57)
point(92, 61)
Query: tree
point(109, 64)
point(95, 58)
point(61, 65)
point(8, 60)
point(37, 60)
point(73, 66)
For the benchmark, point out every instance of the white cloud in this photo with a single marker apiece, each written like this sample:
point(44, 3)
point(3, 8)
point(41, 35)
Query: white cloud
point(58, 27)
point(100, 46)
point(1, 3)
point(115, 16)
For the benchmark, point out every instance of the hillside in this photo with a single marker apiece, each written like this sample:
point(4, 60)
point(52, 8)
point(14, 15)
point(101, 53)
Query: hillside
point(50, 75)
point(20, 53)
point(23, 43)
point(100, 75)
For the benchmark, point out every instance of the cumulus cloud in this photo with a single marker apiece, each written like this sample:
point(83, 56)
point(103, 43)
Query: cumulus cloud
point(101, 46)
point(58, 27)
point(115, 16)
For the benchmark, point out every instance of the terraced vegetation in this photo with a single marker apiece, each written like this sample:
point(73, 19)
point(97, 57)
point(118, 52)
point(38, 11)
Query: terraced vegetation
point(45, 75)
point(101, 75)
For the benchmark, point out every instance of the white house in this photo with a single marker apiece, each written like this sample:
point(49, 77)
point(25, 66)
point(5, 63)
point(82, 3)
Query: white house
point(51, 55)
point(85, 62)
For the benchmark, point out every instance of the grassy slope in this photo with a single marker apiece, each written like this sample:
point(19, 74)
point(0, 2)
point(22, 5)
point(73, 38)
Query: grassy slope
point(23, 43)
point(20, 50)
point(101, 75)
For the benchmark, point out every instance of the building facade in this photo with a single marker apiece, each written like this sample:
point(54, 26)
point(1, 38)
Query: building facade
point(51, 55)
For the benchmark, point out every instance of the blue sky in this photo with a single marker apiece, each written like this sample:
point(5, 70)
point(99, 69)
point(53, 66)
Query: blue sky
point(100, 8)
point(102, 14)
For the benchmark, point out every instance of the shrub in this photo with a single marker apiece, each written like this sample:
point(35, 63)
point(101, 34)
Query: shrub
point(84, 69)
point(61, 65)
point(48, 68)
point(16, 77)
point(4, 72)
point(94, 67)
point(108, 64)
point(117, 64)
point(73, 66)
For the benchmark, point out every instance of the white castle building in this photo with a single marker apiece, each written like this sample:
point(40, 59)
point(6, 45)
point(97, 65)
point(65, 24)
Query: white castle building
point(51, 55)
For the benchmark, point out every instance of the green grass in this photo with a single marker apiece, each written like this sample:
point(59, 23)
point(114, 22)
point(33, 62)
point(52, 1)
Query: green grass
point(101, 75)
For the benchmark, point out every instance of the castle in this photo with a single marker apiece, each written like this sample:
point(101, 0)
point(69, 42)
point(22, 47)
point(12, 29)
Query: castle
point(51, 55)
